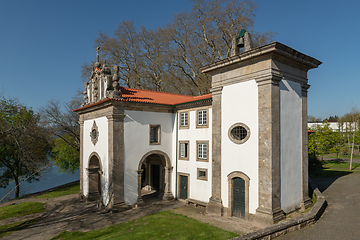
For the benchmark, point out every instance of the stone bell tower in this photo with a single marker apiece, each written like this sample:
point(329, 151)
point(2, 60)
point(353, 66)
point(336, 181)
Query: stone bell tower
point(280, 74)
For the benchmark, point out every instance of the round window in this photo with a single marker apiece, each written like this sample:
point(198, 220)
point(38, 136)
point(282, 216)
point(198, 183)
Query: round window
point(239, 133)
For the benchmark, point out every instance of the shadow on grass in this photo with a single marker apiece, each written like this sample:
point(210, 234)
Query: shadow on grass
point(324, 173)
point(9, 228)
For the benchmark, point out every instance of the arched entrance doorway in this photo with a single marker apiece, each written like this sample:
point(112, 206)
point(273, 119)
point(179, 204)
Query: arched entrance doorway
point(154, 174)
point(238, 195)
point(94, 177)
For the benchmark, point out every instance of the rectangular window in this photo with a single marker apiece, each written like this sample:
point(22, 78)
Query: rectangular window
point(202, 174)
point(202, 151)
point(184, 119)
point(202, 118)
point(154, 134)
point(184, 150)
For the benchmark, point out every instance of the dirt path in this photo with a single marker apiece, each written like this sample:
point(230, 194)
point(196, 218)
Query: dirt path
point(70, 214)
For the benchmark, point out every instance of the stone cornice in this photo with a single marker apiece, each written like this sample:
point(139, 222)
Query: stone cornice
point(216, 90)
point(195, 104)
point(282, 50)
point(273, 79)
point(95, 107)
point(305, 87)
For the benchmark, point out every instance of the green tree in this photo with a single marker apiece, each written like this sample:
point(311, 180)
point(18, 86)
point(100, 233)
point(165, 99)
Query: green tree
point(24, 144)
point(324, 140)
point(64, 155)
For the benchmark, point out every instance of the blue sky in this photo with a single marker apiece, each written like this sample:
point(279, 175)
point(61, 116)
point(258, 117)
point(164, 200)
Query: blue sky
point(44, 43)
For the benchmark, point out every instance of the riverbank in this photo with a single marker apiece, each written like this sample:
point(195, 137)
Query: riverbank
point(50, 178)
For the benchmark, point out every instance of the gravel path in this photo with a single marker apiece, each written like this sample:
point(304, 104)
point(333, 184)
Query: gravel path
point(341, 219)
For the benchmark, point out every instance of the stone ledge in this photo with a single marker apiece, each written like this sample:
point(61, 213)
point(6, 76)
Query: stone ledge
point(195, 202)
point(292, 224)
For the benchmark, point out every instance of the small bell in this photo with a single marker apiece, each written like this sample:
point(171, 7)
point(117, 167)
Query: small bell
point(240, 42)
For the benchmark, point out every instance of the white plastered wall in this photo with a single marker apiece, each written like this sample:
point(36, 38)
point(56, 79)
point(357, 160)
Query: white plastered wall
point(290, 145)
point(136, 141)
point(101, 148)
point(198, 189)
point(240, 105)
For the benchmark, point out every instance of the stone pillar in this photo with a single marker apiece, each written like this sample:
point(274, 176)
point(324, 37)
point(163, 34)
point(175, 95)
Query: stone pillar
point(81, 122)
point(116, 156)
point(234, 49)
point(147, 180)
point(167, 193)
point(140, 201)
point(215, 206)
point(306, 202)
point(269, 149)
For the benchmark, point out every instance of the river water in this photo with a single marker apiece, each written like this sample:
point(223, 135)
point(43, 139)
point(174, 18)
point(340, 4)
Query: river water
point(50, 177)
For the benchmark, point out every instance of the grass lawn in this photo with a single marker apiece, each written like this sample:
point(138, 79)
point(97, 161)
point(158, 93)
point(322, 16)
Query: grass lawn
point(332, 169)
point(74, 188)
point(334, 155)
point(9, 228)
point(163, 225)
point(21, 209)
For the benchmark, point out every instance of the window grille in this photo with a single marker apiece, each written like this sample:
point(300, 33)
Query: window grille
point(202, 150)
point(202, 117)
point(183, 119)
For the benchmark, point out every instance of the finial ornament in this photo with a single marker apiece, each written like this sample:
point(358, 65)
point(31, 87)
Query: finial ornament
point(97, 54)
point(116, 92)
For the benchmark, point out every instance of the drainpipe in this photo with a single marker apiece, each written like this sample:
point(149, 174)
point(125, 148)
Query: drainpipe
point(176, 152)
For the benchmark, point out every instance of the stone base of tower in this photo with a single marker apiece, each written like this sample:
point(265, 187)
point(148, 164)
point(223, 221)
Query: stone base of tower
point(214, 207)
point(269, 216)
point(117, 207)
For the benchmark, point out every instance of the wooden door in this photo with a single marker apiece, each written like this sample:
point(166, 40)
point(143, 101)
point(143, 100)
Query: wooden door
point(239, 197)
point(183, 187)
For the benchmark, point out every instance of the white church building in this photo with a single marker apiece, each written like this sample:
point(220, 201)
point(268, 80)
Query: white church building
point(240, 150)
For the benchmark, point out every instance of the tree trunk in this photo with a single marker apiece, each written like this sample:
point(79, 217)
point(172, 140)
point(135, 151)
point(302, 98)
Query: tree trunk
point(17, 191)
point(351, 158)
point(352, 147)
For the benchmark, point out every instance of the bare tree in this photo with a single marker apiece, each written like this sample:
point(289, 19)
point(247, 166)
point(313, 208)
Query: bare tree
point(63, 124)
point(169, 58)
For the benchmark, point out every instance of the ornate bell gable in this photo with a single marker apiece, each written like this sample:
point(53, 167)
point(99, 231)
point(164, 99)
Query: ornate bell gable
point(102, 84)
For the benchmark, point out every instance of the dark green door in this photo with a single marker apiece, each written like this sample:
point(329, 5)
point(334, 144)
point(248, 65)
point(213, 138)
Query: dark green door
point(239, 197)
point(183, 187)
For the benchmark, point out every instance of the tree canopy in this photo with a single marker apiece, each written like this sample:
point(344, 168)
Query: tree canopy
point(24, 144)
point(169, 58)
point(324, 140)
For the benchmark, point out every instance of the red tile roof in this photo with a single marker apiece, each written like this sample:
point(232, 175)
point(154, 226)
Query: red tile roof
point(154, 97)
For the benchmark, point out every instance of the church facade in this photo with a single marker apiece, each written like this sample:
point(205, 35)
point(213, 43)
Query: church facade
point(240, 150)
